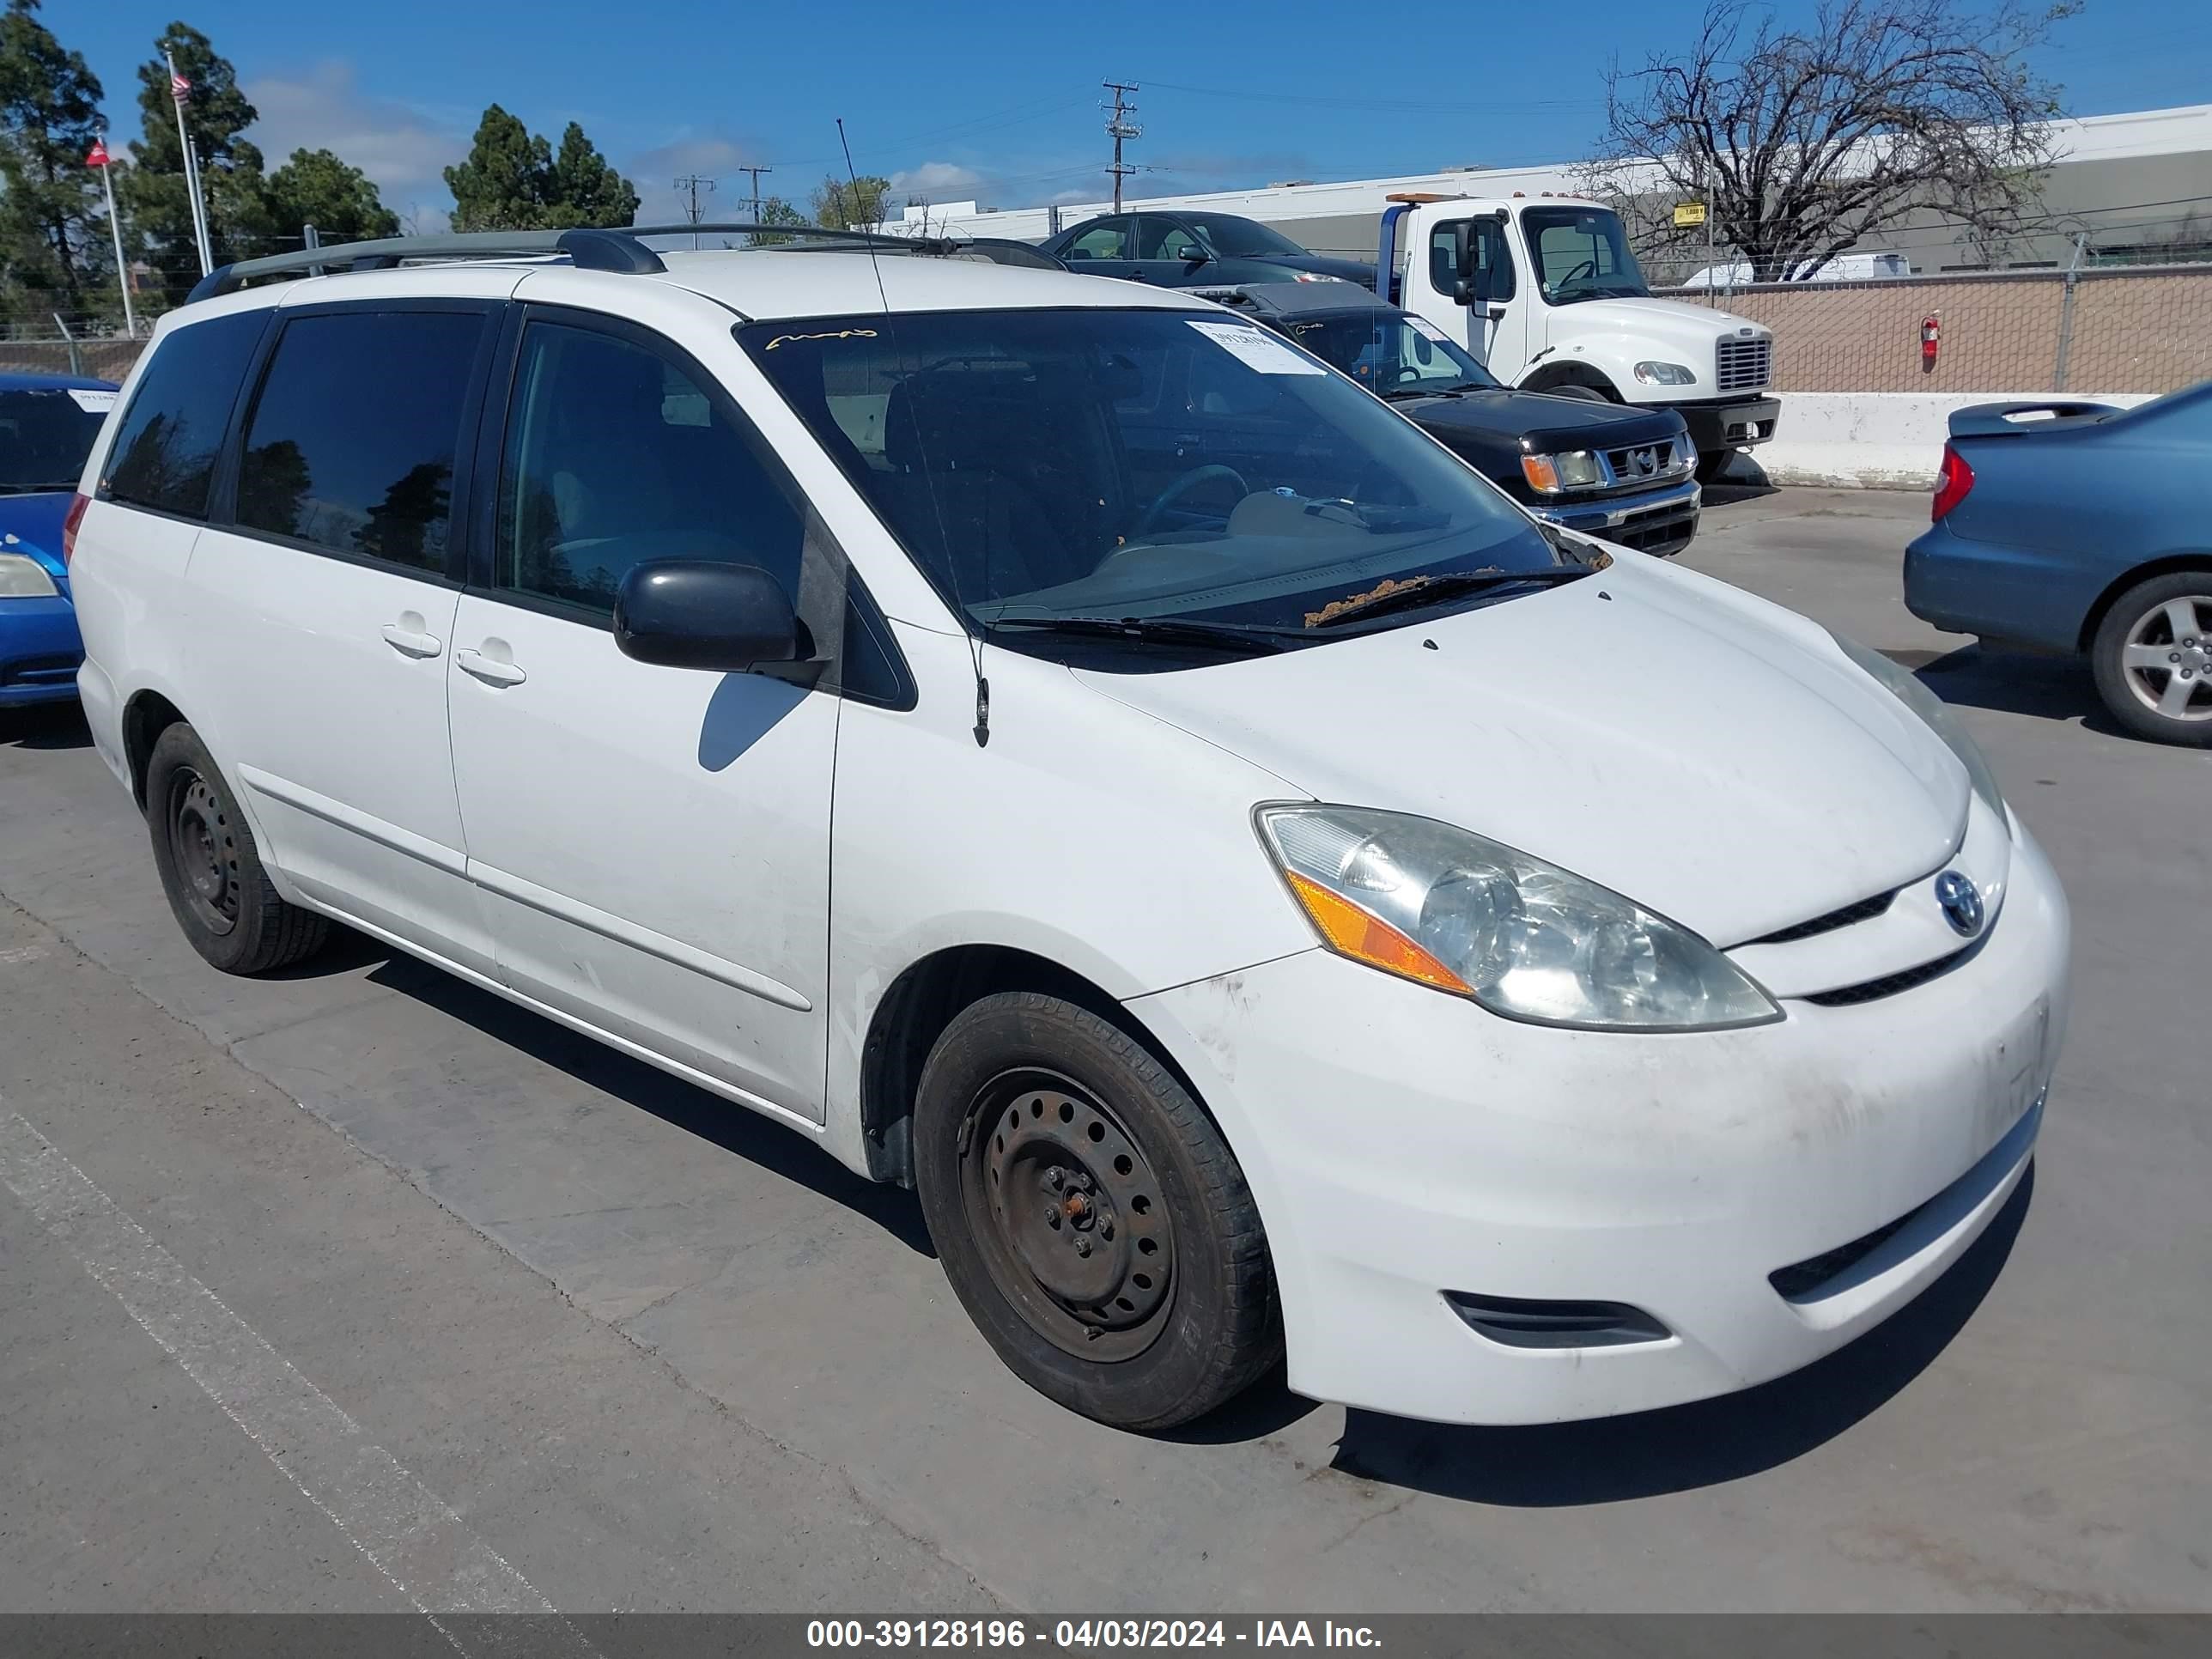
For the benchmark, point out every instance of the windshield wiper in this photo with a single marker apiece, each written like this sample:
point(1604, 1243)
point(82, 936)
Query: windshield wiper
point(1428, 590)
point(1231, 636)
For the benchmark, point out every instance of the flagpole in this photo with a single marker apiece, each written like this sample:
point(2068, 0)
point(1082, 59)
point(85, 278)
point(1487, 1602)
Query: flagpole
point(207, 232)
point(115, 229)
point(192, 173)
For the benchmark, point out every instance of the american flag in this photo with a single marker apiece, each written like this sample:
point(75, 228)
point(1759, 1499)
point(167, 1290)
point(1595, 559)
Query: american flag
point(180, 88)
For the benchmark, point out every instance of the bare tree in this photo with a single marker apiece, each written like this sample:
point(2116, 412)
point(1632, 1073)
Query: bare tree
point(1807, 142)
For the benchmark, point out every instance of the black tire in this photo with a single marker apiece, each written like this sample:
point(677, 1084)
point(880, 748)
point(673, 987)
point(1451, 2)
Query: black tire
point(1589, 394)
point(2172, 616)
point(218, 891)
point(1171, 1309)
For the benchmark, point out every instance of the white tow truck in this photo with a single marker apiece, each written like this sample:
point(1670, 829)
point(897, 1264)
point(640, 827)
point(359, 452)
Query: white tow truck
point(1546, 291)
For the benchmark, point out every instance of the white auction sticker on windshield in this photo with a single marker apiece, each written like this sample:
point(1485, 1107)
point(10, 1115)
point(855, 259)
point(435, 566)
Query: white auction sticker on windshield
point(92, 400)
point(1423, 326)
point(1256, 348)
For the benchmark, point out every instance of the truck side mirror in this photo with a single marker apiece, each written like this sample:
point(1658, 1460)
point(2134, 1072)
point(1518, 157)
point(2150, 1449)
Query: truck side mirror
point(1463, 264)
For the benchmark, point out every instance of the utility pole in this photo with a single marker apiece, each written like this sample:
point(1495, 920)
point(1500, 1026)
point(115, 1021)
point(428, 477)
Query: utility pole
point(1119, 129)
point(691, 184)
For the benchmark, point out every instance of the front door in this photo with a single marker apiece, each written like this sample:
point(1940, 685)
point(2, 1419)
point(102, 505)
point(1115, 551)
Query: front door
point(652, 843)
point(1493, 325)
point(1108, 248)
point(329, 589)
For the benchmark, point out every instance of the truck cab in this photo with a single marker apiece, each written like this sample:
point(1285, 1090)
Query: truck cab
point(1546, 293)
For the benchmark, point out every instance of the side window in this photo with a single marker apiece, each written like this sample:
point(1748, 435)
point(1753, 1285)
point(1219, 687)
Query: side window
point(1493, 262)
point(351, 442)
point(1159, 238)
point(615, 456)
point(1108, 239)
point(165, 451)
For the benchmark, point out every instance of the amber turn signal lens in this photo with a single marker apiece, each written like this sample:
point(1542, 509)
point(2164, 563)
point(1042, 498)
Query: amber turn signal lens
point(1351, 932)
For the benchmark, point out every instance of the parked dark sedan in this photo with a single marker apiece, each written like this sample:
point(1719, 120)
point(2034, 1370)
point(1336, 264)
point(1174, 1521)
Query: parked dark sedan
point(1190, 250)
point(2083, 528)
point(1574, 459)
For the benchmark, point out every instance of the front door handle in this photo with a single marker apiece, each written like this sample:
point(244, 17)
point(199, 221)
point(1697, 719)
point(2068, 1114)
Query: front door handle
point(412, 641)
point(491, 672)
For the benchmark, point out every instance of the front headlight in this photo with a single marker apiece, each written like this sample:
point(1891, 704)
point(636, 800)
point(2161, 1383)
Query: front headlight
point(22, 578)
point(1666, 374)
point(1575, 469)
point(1905, 686)
point(1448, 909)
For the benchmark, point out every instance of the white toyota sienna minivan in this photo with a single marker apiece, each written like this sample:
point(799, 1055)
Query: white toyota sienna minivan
point(1065, 749)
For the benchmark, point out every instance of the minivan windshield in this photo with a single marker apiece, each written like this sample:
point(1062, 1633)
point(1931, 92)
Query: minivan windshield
point(1144, 465)
point(1582, 253)
point(1389, 353)
point(45, 435)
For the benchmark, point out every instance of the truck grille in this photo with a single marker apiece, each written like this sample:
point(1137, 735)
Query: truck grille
point(1744, 365)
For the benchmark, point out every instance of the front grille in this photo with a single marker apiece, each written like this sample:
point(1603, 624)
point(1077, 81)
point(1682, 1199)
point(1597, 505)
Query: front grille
point(1643, 463)
point(1661, 531)
point(1744, 365)
point(1889, 985)
point(1864, 911)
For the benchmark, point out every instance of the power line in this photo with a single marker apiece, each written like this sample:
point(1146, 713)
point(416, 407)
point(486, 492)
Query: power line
point(756, 173)
point(691, 184)
point(1119, 129)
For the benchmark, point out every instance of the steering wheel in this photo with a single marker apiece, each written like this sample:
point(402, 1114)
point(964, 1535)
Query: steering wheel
point(1588, 268)
point(1183, 487)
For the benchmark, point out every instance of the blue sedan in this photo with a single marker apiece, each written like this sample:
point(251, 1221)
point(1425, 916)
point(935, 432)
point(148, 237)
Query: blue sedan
point(2082, 528)
point(47, 424)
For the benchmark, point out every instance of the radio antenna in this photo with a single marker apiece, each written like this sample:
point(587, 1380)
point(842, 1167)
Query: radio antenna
point(983, 727)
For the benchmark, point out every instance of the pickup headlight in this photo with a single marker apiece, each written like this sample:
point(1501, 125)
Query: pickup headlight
point(1908, 690)
point(1576, 469)
point(1666, 374)
point(1527, 940)
point(24, 577)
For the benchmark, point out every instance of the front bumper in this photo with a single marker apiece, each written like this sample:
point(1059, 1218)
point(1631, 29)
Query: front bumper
point(1734, 424)
point(39, 651)
point(1661, 521)
point(1402, 1144)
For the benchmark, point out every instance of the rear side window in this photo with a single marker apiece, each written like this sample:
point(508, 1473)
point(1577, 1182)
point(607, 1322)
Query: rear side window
point(165, 451)
point(350, 445)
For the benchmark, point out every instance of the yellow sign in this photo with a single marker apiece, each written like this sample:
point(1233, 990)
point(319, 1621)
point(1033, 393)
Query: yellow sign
point(1689, 213)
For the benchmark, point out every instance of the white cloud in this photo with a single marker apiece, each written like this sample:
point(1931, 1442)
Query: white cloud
point(935, 179)
point(653, 173)
point(404, 150)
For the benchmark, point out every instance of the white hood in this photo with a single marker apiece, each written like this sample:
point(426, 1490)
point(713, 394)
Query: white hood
point(1712, 757)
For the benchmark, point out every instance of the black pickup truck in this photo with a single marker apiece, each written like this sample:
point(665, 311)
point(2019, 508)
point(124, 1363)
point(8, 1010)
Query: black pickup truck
point(1624, 474)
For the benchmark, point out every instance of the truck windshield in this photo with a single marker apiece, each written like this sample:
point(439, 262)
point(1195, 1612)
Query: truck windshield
point(1582, 253)
point(1390, 353)
point(45, 435)
point(1145, 465)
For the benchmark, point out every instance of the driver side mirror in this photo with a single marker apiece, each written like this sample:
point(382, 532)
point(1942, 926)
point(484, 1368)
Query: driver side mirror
point(1191, 253)
point(726, 618)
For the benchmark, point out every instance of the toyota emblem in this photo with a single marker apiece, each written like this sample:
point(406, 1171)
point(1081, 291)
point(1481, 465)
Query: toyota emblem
point(1960, 902)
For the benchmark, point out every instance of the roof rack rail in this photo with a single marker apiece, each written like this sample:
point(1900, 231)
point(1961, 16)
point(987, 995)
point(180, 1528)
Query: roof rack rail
point(617, 248)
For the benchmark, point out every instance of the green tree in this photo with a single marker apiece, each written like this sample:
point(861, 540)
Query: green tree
point(53, 242)
point(157, 205)
point(512, 180)
point(775, 210)
point(316, 188)
point(850, 203)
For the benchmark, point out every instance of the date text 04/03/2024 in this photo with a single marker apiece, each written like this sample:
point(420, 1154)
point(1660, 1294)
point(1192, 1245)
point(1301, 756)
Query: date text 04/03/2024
point(1081, 1634)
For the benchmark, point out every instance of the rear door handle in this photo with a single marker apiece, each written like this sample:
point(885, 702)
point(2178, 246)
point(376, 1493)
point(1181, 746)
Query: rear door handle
point(487, 669)
point(412, 641)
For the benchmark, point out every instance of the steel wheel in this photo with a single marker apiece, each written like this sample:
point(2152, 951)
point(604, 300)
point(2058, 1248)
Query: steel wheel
point(2167, 658)
point(1068, 1213)
point(205, 850)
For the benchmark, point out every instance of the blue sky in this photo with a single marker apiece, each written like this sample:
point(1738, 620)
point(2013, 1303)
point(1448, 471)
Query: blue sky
point(988, 98)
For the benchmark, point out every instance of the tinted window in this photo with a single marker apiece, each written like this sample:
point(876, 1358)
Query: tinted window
point(615, 456)
point(351, 442)
point(1106, 239)
point(45, 435)
point(1245, 239)
point(1493, 264)
point(1159, 238)
point(165, 451)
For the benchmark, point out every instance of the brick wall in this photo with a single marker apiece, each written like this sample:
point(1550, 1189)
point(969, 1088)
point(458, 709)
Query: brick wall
point(2132, 330)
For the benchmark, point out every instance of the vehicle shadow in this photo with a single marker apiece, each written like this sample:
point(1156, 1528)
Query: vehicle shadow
point(1742, 480)
point(44, 725)
point(719, 1123)
point(1611, 1460)
point(2046, 687)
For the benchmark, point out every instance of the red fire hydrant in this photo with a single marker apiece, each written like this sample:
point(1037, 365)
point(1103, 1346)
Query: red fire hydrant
point(1931, 341)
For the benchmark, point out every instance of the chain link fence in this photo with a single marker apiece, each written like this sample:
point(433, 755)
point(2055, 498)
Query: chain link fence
point(60, 343)
point(2142, 328)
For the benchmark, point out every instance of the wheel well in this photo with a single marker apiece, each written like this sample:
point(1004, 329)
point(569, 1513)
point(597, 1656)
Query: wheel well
point(2141, 572)
point(145, 717)
point(924, 999)
point(1554, 375)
